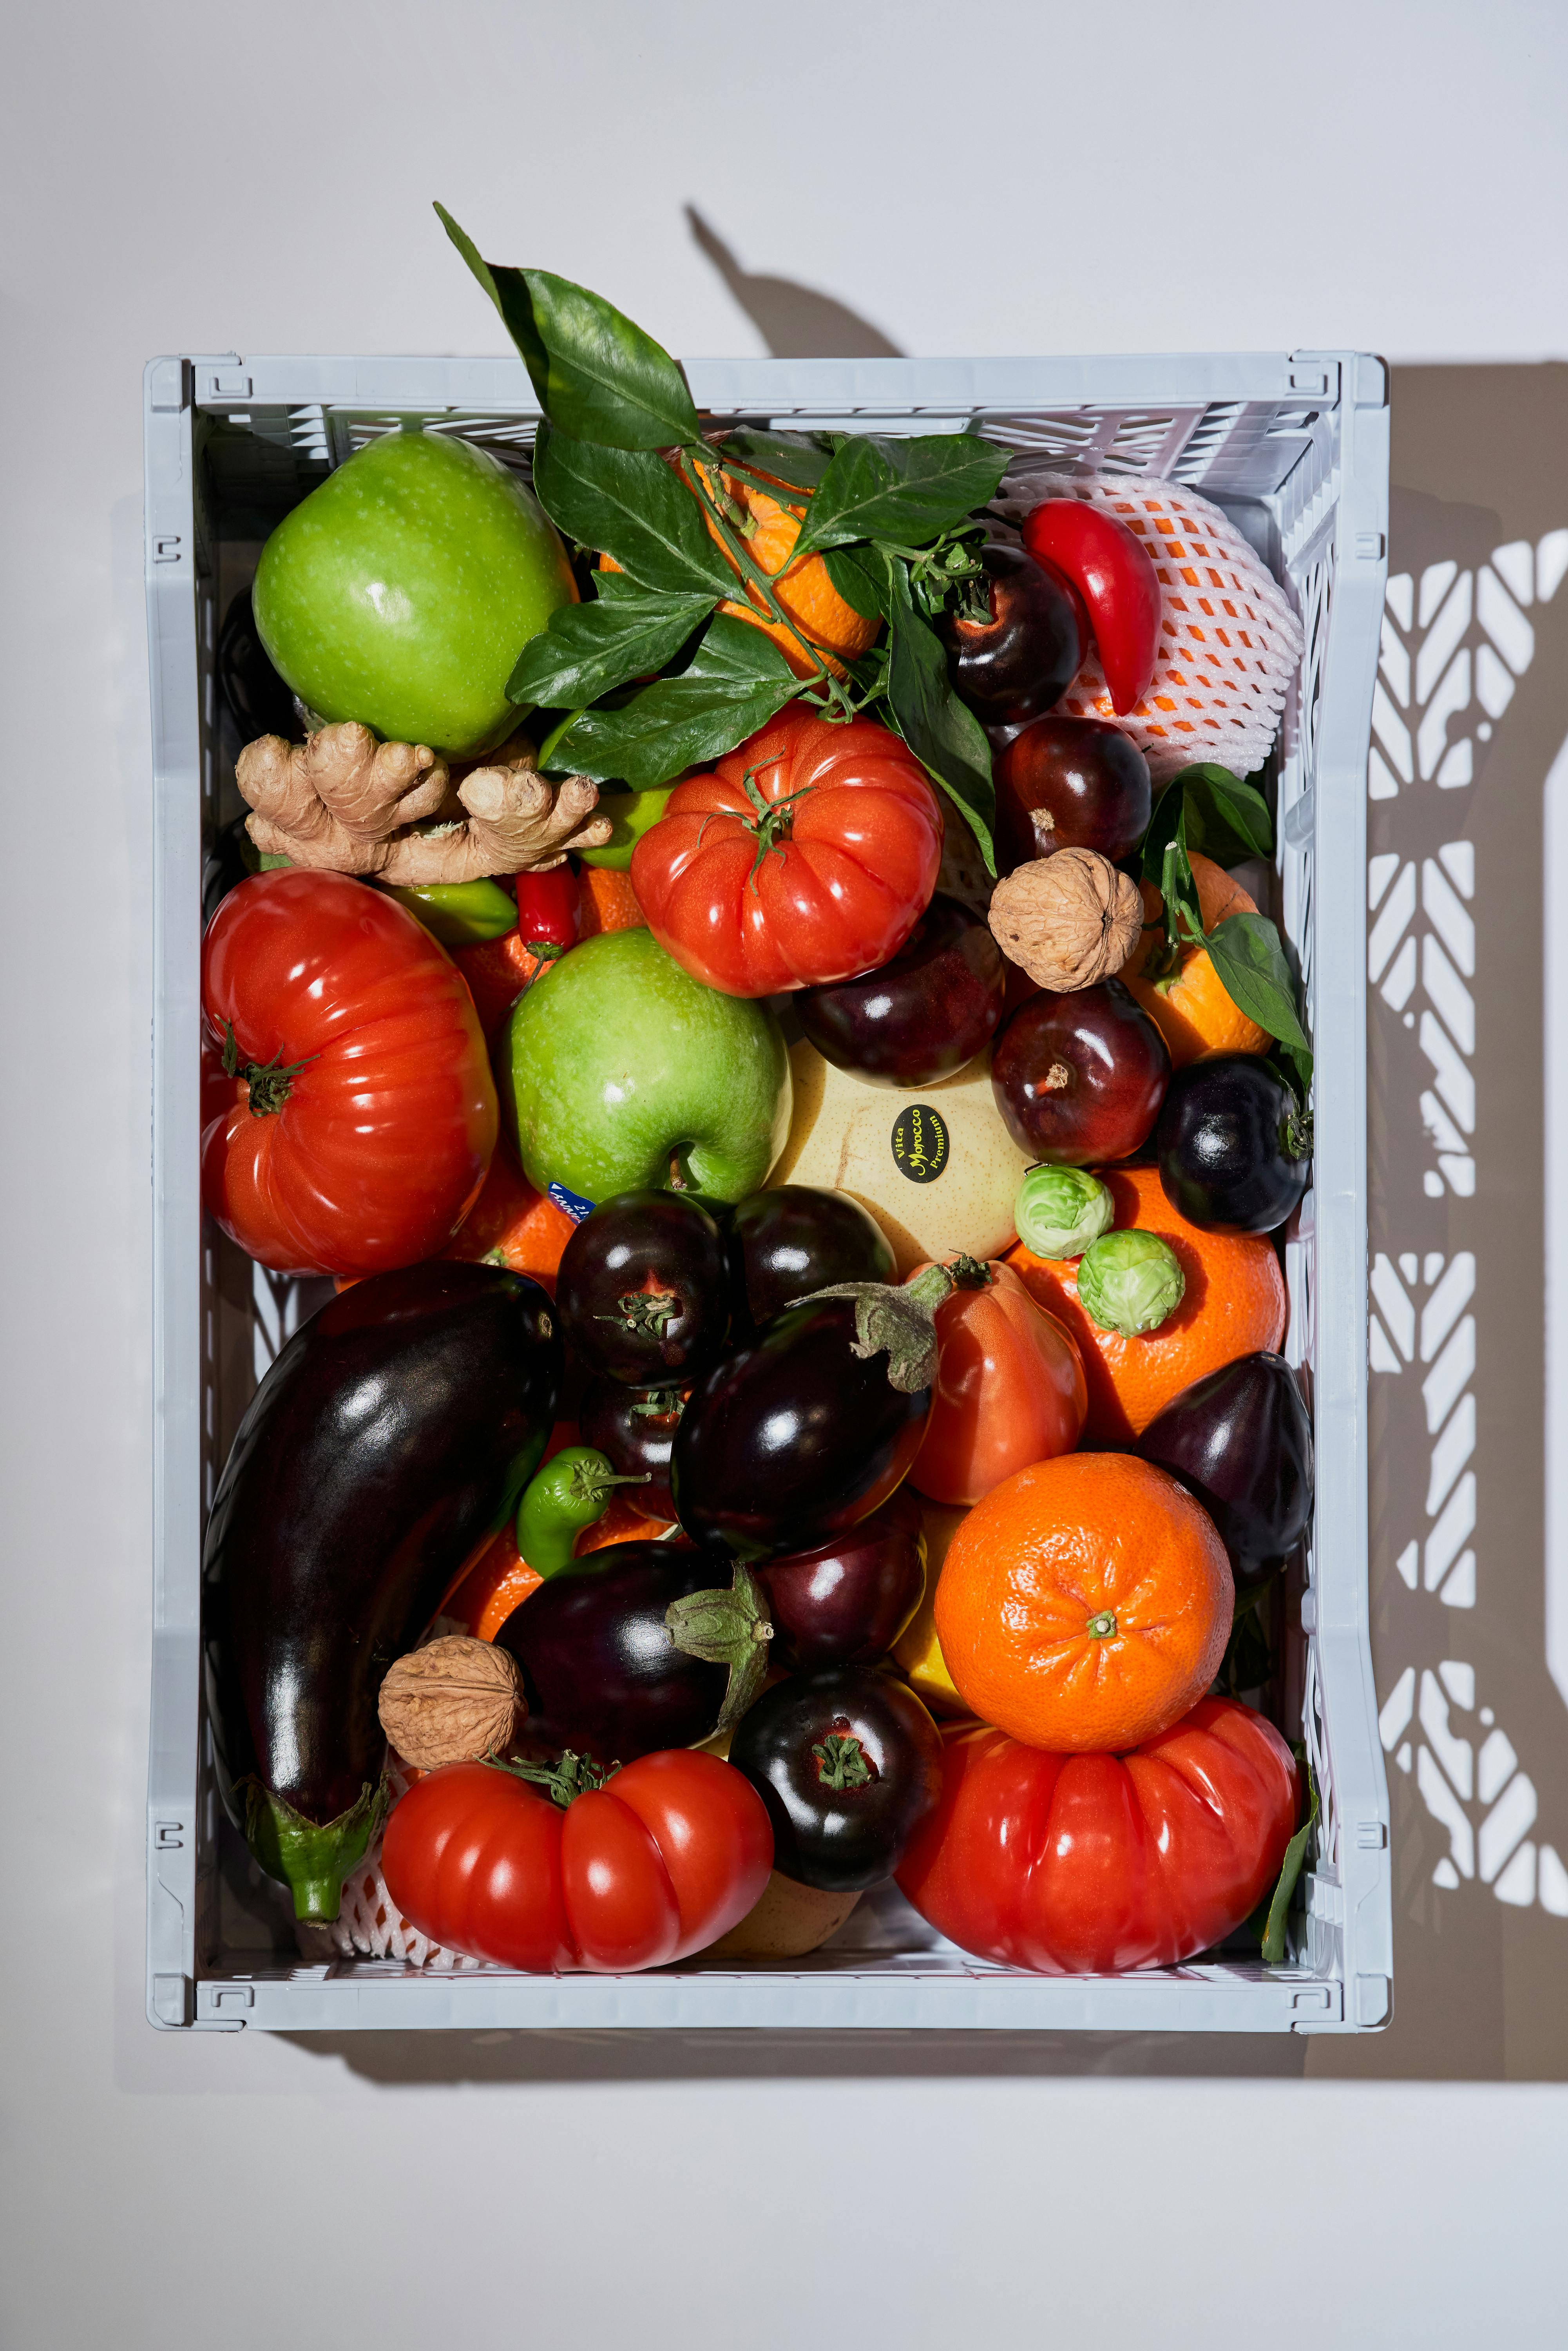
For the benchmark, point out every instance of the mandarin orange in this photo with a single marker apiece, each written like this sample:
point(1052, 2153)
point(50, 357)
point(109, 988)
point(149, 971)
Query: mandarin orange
point(1189, 1006)
point(1234, 1305)
point(1085, 1606)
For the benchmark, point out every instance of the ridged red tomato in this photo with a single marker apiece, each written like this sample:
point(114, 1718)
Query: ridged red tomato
point(1082, 1865)
point(662, 1860)
point(808, 856)
point(1009, 1387)
point(363, 1115)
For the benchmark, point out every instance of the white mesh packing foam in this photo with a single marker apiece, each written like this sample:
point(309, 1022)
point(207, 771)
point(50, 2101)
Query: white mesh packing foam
point(369, 1926)
point(1229, 642)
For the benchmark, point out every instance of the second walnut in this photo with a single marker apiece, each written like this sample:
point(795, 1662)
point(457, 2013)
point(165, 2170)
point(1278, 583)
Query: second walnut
point(1068, 920)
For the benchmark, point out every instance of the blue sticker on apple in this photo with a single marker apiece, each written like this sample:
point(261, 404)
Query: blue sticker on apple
point(576, 1206)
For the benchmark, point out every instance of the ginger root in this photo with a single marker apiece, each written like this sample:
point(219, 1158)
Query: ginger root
point(346, 803)
point(1070, 920)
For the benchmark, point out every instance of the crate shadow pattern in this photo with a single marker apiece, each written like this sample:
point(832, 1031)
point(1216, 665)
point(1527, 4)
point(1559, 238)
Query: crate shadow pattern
point(1296, 451)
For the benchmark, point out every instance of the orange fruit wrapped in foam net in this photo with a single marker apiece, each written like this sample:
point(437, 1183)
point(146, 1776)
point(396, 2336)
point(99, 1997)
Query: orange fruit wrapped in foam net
point(1229, 642)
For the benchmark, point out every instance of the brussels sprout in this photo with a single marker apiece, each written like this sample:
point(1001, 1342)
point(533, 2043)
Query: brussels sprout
point(1130, 1282)
point(1060, 1210)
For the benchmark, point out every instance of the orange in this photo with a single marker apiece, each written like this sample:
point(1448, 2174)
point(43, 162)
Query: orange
point(1194, 1014)
point(499, 1579)
point(1085, 1604)
point(1234, 1304)
point(510, 1224)
point(606, 901)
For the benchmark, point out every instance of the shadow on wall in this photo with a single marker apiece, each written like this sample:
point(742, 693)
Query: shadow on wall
point(795, 321)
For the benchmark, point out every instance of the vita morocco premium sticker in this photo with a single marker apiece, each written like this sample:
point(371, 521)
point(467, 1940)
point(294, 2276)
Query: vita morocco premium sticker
point(920, 1142)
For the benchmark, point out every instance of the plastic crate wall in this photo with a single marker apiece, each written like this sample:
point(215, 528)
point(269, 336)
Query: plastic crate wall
point(1296, 448)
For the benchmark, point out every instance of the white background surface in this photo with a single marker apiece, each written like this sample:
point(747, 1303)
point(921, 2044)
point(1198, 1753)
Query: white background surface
point(1016, 179)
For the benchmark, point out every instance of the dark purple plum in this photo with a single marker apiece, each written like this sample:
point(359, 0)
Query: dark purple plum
point(849, 1763)
point(924, 1016)
point(643, 1288)
point(795, 1239)
point(1241, 1444)
point(1070, 783)
point(1080, 1078)
point(846, 1600)
point(635, 1428)
point(1024, 652)
point(1233, 1145)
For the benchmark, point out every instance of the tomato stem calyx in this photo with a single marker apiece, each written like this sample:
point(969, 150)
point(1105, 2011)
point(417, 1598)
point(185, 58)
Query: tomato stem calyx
point(840, 1761)
point(643, 1312)
point(572, 1776)
point(269, 1081)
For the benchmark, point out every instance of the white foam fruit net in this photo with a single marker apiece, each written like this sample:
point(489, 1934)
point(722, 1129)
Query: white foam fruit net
point(1229, 642)
point(369, 1926)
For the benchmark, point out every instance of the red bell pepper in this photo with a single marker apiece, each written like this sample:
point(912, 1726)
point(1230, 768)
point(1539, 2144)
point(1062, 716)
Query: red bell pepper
point(1114, 573)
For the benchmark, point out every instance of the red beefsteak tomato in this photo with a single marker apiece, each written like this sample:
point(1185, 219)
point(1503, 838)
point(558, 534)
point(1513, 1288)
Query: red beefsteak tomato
point(807, 855)
point(662, 1860)
point(363, 1114)
point(1082, 1865)
point(1010, 1386)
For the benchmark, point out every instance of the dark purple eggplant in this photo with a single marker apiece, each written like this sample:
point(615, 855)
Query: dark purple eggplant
point(786, 1243)
point(392, 1434)
point(602, 1672)
point(797, 1437)
point(924, 1016)
point(635, 1428)
point(846, 1600)
point(643, 1288)
point(1234, 1145)
point(1241, 1444)
point(849, 1763)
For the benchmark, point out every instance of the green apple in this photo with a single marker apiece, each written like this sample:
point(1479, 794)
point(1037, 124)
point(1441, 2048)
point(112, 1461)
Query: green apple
point(626, 1072)
point(402, 591)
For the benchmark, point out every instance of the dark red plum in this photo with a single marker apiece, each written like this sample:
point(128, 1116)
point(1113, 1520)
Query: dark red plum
point(1025, 651)
point(846, 1600)
point(1080, 1078)
point(924, 1016)
point(1070, 783)
point(634, 1428)
point(1233, 1145)
point(1241, 1444)
point(643, 1288)
point(795, 1239)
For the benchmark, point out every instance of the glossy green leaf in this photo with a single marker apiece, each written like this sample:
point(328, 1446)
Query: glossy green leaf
point(800, 459)
point(943, 732)
point(1285, 1886)
point(736, 681)
point(1254, 974)
point(1227, 819)
point(907, 491)
point(630, 504)
point(859, 574)
point(588, 649)
point(597, 375)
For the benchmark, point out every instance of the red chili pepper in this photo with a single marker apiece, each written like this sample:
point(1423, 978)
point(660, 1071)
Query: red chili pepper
point(548, 911)
point(1113, 572)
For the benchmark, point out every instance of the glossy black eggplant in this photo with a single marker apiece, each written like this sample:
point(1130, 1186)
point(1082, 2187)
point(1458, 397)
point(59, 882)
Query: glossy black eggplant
point(846, 1600)
point(602, 1672)
point(634, 1428)
point(849, 1763)
point(391, 1435)
point(1241, 1441)
point(643, 1288)
point(1233, 1144)
point(796, 1437)
point(795, 1239)
point(924, 1016)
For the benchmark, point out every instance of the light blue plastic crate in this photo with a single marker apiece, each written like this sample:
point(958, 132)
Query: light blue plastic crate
point(1296, 449)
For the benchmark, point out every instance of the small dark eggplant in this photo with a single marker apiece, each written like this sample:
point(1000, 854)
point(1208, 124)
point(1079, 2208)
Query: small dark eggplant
point(1241, 1444)
point(797, 1437)
point(392, 1434)
point(643, 1288)
point(796, 1239)
point(849, 1765)
point(1233, 1144)
point(635, 1428)
point(846, 1600)
point(603, 1671)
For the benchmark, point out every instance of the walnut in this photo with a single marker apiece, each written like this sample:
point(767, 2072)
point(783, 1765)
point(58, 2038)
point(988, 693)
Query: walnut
point(344, 802)
point(1069, 919)
point(454, 1701)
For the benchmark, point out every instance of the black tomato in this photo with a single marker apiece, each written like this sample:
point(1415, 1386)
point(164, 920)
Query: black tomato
point(601, 1672)
point(634, 1428)
point(849, 1765)
point(643, 1288)
point(794, 1439)
point(1070, 783)
point(846, 1600)
point(786, 1243)
point(1029, 646)
point(1241, 1444)
point(1233, 1145)
point(1080, 1078)
point(924, 1016)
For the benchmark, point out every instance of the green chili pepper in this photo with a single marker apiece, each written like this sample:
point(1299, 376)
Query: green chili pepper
point(460, 913)
point(632, 814)
point(571, 1492)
